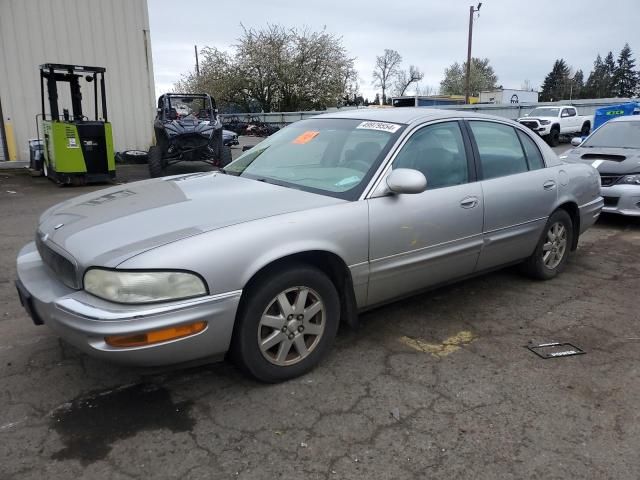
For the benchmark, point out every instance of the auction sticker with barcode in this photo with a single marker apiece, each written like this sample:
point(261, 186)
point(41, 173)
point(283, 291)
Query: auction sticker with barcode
point(381, 126)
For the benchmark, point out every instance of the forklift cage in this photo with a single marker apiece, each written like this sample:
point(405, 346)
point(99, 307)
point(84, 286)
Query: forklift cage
point(53, 73)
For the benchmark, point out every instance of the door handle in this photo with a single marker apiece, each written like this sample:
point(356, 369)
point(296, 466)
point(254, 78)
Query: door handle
point(469, 202)
point(549, 185)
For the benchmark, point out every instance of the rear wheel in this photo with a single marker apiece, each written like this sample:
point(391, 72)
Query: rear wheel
point(554, 137)
point(156, 167)
point(551, 253)
point(287, 324)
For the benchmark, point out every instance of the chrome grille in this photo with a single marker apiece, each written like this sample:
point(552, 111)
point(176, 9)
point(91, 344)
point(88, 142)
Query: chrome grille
point(61, 266)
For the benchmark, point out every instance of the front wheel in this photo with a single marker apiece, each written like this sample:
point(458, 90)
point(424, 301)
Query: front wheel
point(553, 248)
point(225, 157)
point(584, 132)
point(156, 167)
point(554, 137)
point(286, 324)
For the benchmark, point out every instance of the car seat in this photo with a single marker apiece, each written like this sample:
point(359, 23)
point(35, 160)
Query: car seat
point(438, 164)
point(365, 152)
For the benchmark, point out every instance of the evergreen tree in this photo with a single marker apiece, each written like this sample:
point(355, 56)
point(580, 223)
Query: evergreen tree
point(577, 89)
point(376, 101)
point(625, 78)
point(596, 83)
point(556, 84)
point(610, 71)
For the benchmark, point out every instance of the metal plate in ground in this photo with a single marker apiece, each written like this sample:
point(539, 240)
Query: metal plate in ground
point(555, 350)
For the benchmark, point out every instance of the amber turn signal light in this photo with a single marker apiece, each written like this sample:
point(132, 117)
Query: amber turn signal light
point(155, 336)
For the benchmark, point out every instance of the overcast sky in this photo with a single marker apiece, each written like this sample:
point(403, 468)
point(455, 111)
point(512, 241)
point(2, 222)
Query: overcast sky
point(521, 38)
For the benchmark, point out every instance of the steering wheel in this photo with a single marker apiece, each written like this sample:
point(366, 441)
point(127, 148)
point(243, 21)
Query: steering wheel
point(358, 165)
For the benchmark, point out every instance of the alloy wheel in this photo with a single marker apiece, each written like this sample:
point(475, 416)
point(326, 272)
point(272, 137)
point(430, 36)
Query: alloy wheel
point(555, 246)
point(291, 326)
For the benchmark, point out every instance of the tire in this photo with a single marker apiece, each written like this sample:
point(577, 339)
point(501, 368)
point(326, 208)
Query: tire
point(217, 142)
point(135, 156)
point(554, 137)
point(586, 129)
point(156, 167)
point(225, 157)
point(272, 299)
point(50, 173)
point(543, 264)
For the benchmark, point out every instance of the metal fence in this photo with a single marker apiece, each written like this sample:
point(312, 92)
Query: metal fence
point(585, 107)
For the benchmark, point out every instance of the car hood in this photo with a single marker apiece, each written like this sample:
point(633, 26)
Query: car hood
point(608, 161)
point(109, 226)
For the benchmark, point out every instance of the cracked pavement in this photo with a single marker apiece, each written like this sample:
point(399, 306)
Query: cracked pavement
point(376, 408)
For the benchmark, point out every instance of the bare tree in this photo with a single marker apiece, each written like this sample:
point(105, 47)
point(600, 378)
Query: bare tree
point(386, 70)
point(426, 89)
point(406, 78)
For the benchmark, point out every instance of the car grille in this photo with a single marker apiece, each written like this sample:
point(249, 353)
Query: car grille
point(61, 266)
point(530, 124)
point(608, 180)
point(611, 201)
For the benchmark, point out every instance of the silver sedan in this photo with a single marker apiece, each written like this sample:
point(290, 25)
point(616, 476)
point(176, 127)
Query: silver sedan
point(328, 217)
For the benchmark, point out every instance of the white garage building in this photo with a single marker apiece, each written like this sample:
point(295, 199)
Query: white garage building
point(105, 33)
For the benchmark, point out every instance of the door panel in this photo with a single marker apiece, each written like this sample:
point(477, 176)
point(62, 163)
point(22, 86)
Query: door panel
point(517, 200)
point(516, 210)
point(420, 240)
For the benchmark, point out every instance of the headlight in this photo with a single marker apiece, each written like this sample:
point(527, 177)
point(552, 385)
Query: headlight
point(632, 179)
point(141, 286)
point(545, 122)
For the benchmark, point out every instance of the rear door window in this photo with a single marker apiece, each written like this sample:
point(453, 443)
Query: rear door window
point(534, 157)
point(501, 153)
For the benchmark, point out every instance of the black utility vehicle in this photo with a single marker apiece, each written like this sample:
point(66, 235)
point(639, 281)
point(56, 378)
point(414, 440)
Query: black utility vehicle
point(187, 128)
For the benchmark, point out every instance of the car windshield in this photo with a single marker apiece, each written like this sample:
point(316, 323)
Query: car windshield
point(335, 157)
point(185, 106)
point(615, 135)
point(544, 112)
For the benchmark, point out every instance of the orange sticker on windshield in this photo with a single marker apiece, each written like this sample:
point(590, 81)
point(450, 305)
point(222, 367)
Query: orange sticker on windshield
point(306, 137)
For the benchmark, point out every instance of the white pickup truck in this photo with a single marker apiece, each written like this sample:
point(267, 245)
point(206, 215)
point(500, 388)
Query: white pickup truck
point(552, 122)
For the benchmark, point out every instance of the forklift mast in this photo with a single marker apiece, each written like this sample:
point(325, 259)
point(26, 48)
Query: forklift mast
point(53, 73)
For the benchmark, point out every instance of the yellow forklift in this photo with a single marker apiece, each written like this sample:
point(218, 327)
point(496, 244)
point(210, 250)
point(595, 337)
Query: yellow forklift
point(76, 150)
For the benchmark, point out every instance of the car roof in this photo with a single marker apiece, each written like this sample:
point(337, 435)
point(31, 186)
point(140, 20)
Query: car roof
point(404, 114)
point(626, 118)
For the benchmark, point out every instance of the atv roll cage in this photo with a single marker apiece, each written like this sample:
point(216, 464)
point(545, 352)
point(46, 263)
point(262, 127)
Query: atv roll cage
point(169, 102)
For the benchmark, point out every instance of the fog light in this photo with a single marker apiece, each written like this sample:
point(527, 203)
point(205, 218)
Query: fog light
point(155, 336)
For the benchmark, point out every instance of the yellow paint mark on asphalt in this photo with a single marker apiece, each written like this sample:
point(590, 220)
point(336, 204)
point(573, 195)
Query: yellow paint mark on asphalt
point(448, 346)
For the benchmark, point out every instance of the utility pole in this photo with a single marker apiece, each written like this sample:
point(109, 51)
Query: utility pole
point(472, 10)
point(195, 47)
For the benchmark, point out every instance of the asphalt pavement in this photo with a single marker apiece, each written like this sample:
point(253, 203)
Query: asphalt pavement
point(436, 386)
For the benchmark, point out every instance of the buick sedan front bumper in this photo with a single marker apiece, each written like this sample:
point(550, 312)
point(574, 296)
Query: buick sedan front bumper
point(85, 320)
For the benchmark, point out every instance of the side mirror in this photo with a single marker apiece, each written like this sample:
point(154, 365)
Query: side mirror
point(406, 180)
point(576, 141)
